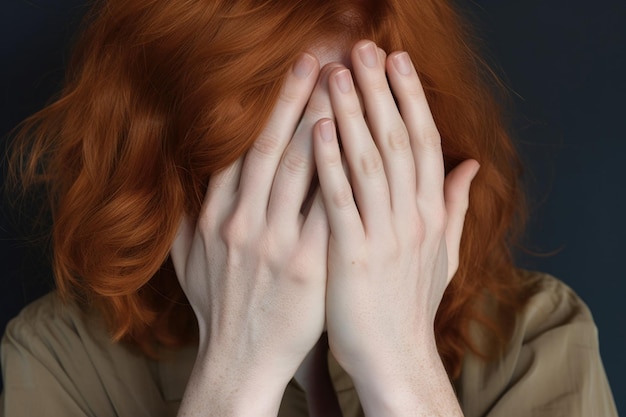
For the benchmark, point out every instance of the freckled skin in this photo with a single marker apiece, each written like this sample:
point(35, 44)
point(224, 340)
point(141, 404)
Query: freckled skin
point(366, 260)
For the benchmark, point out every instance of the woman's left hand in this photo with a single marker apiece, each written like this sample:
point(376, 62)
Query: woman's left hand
point(396, 222)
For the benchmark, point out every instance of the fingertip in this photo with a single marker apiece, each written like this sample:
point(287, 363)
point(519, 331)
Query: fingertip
point(475, 171)
point(305, 65)
point(358, 45)
point(401, 62)
point(326, 129)
point(466, 172)
point(468, 169)
point(342, 78)
point(457, 183)
point(326, 146)
point(326, 71)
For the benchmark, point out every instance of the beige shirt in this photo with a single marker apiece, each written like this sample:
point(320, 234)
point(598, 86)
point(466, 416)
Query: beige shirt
point(55, 362)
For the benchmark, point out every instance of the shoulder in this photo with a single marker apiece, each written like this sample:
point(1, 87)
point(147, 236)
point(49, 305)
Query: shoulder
point(551, 364)
point(50, 326)
point(49, 330)
point(55, 352)
point(552, 305)
point(45, 316)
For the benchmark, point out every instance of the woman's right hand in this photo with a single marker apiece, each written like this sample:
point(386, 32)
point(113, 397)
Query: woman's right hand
point(254, 266)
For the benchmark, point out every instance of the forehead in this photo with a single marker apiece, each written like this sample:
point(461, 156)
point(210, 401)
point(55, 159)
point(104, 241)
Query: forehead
point(336, 52)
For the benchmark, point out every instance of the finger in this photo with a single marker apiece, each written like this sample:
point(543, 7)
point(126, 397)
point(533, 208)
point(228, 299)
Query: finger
point(456, 190)
point(343, 216)
point(262, 160)
point(424, 136)
point(222, 189)
point(316, 230)
point(218, 198)
point(295, 172)
point(386, 125)
point(181, 247)
point(367, 172)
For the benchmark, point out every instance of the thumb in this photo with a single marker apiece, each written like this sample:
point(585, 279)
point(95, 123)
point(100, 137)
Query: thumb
point(456, 193)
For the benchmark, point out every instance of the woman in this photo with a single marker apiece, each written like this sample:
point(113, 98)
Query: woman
point(208, 240)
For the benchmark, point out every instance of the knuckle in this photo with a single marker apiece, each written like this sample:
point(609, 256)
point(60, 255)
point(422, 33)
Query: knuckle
point(430, 137)
point(290, 94)
point(267, 145)
point(353, 111)
point(296, 163)
point(301, 269)
point(398, 138)
point(207, 221)
point(343, 197)
point(371, 162)
point(205, 226)
point(333, 159)
point(379, 86)
point(234, 231)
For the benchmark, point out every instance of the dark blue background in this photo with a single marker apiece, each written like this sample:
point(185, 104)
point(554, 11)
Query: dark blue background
point(564, 61)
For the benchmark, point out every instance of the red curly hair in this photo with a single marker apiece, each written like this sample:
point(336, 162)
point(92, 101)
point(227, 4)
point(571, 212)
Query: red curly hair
point(163, 93)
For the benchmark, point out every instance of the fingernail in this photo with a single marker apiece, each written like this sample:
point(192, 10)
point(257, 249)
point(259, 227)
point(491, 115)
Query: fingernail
point(326, 130)
point(304, 66)
point(369, 55)
point(344, 80)
point(402, 63)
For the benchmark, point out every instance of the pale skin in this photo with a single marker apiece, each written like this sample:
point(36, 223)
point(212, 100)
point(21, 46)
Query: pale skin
point(369, 260)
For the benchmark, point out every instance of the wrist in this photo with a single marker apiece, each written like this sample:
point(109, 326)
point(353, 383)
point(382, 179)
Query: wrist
point(412, 382)
point(221, 385)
